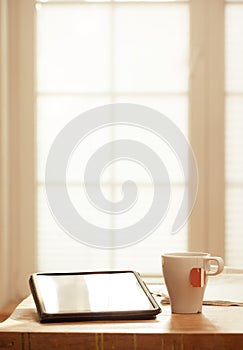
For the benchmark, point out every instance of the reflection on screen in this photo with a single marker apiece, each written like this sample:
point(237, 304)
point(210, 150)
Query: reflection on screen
point(94, 292)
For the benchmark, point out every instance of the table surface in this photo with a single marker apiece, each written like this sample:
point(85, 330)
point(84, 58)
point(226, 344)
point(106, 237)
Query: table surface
point(217, 327)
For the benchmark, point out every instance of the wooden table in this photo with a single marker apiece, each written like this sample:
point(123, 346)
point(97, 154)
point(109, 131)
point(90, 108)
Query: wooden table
point(218, 327)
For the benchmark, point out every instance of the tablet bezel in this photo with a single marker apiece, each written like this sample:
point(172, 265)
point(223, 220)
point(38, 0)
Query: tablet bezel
point(91, 316)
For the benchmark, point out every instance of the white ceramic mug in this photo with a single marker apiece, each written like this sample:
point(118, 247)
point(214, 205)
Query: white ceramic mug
point(186, 276)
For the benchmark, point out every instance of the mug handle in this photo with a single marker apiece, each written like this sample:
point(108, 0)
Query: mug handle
point(219, 262)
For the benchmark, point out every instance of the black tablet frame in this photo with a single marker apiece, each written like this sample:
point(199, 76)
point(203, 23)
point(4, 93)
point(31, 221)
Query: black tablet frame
point(45, 317)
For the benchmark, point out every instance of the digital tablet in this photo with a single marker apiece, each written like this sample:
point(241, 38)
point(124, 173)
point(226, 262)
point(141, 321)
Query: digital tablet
point(85, 296)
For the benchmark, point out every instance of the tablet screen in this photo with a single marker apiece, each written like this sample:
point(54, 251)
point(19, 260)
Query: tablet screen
point(104, 292)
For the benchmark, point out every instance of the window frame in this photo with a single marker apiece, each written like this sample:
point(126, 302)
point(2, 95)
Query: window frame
point(206, 119)
point(17, 154)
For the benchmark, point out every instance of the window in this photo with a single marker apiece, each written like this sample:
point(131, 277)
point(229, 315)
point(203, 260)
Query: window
point(95, 53)
point(173, 58)
point(234, 130)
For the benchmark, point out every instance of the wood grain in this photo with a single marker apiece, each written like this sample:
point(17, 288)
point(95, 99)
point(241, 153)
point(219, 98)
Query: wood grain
point(217, 327)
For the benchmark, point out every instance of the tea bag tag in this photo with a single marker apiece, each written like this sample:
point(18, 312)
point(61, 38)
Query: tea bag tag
point(197, 277)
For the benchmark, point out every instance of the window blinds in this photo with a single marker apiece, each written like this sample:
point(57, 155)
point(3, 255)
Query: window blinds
point(95, 53)
point(234, 132)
